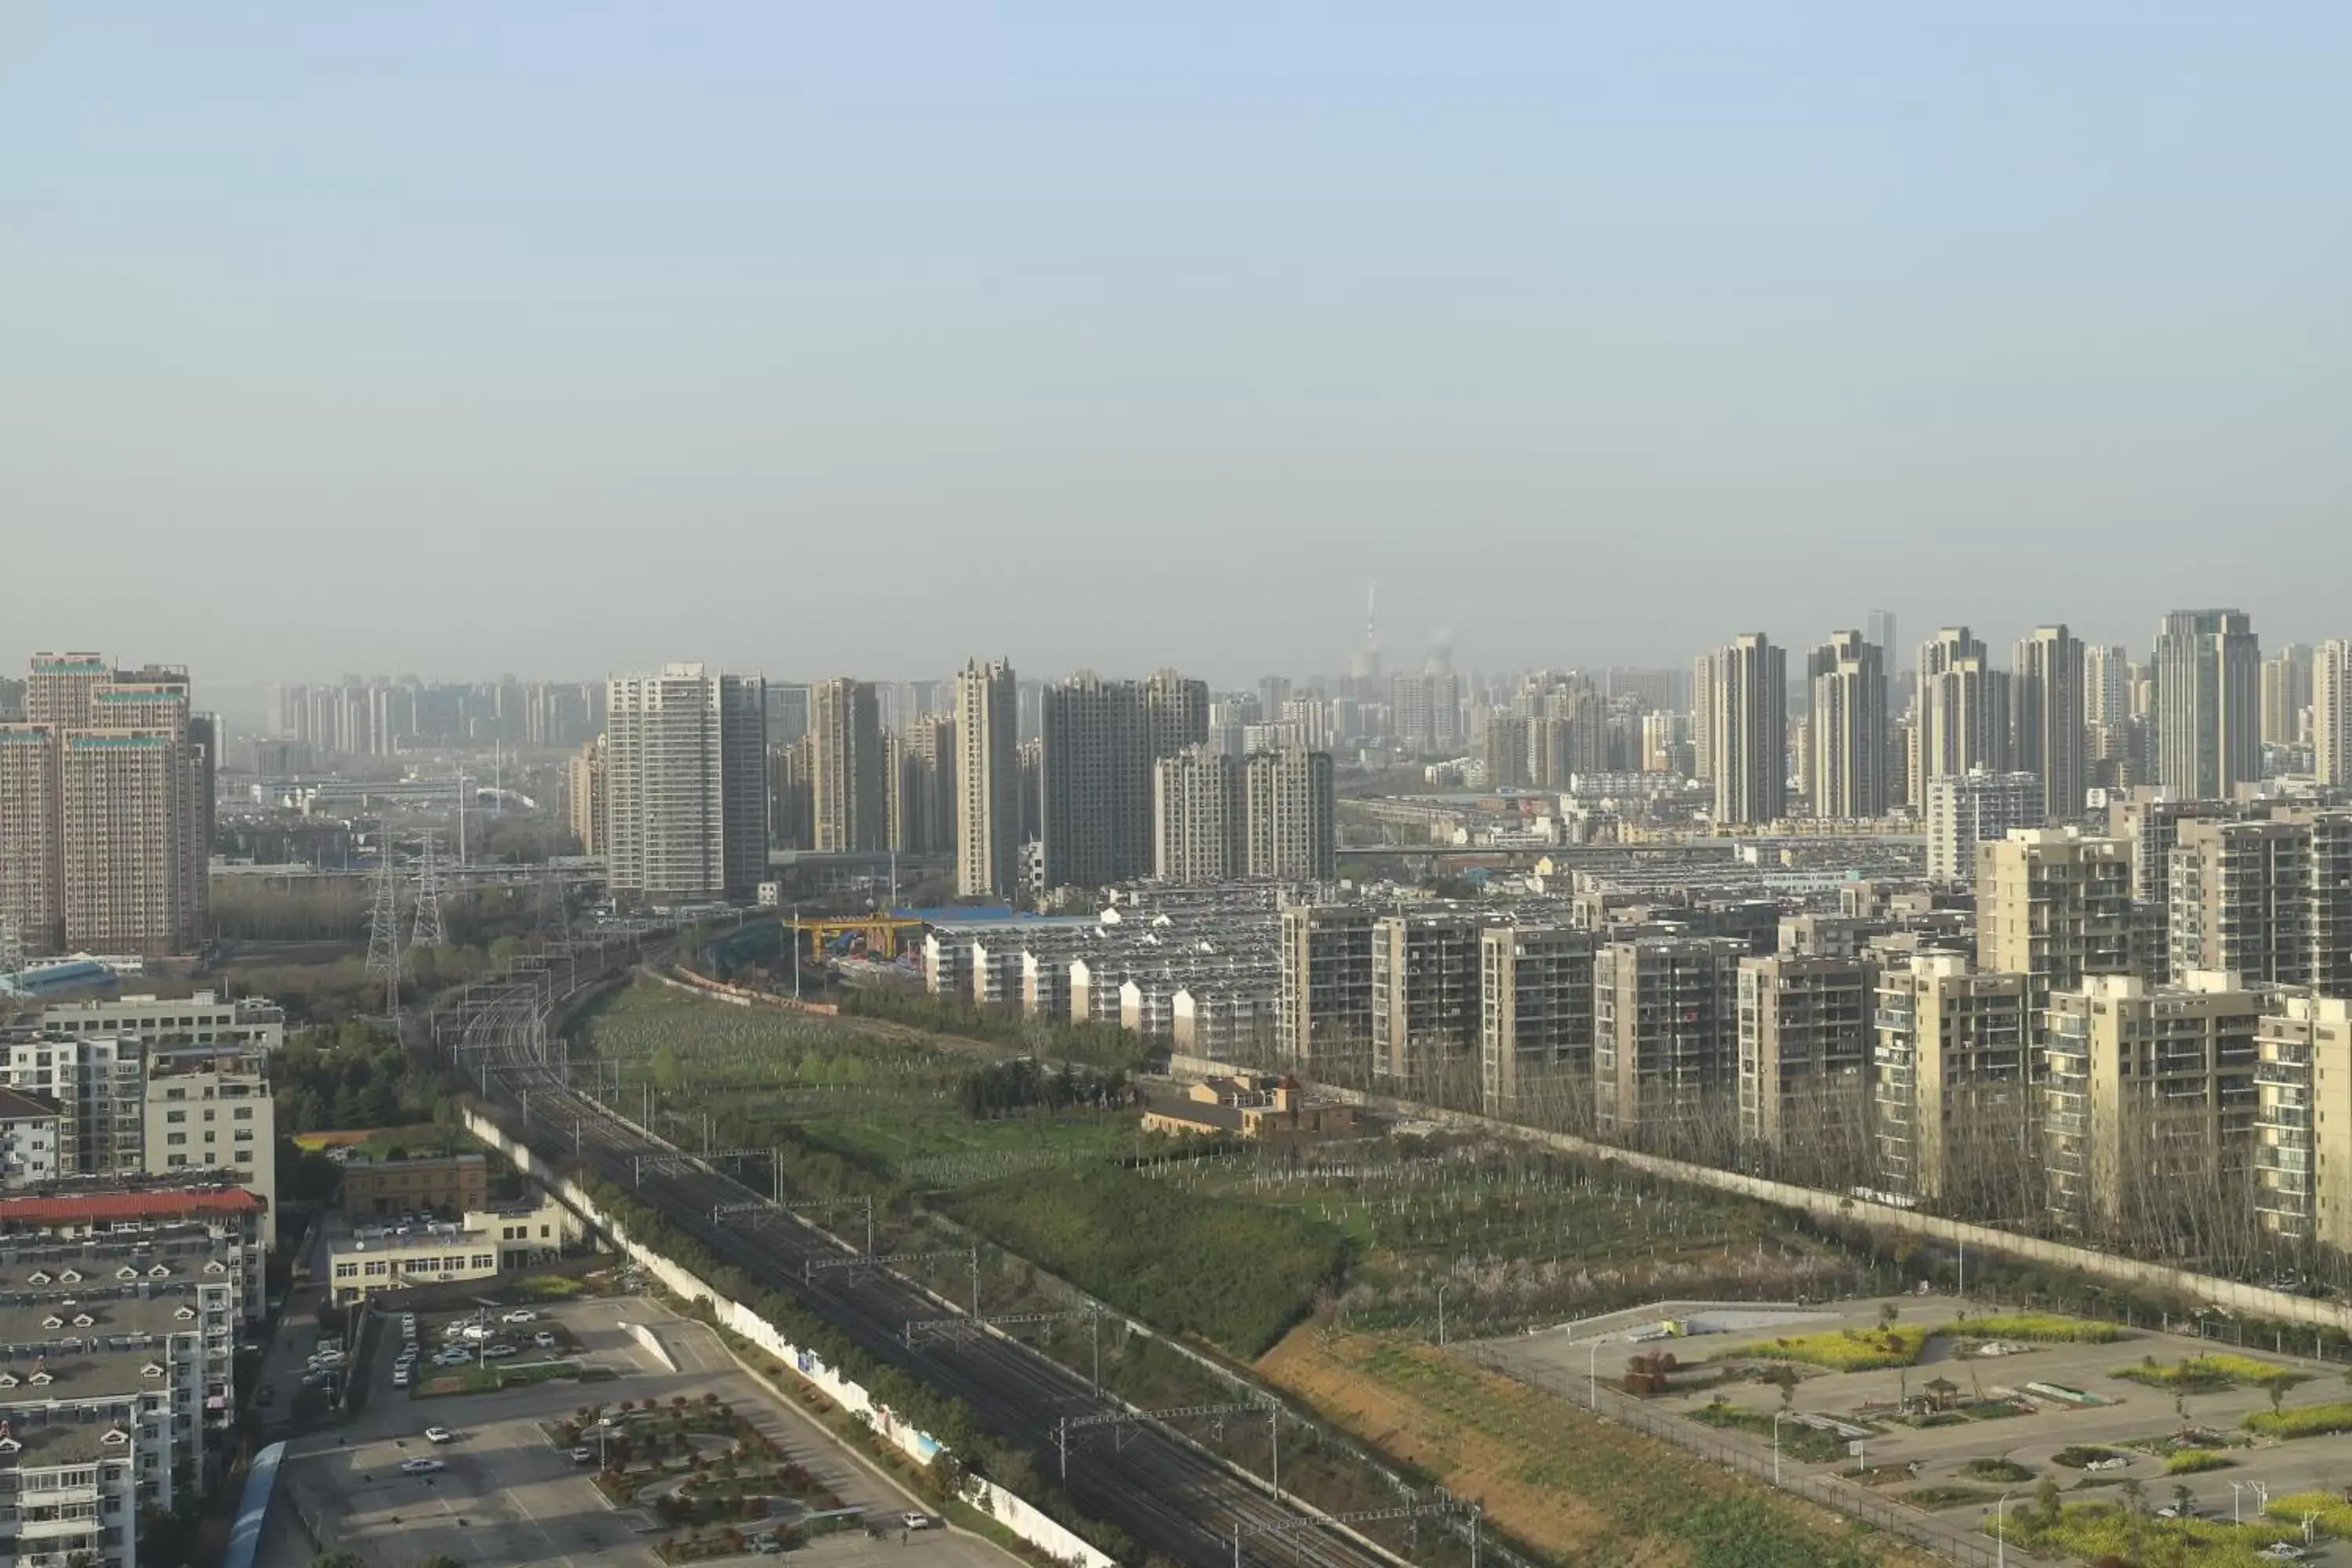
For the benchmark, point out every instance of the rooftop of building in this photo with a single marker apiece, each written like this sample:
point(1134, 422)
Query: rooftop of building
point(69, 1204)
point(457, 1158)
point(49, 1444)
point(432, 1235)
point(15, 1105)
point(54, 1357)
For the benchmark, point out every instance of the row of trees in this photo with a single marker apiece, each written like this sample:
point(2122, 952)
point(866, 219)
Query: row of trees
point(1022, 1084)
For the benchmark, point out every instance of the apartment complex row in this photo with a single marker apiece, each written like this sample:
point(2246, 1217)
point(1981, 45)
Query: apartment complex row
point(106, 810)
point(119, 1312)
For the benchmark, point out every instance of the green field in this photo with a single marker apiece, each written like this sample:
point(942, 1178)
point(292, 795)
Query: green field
point(876, 1095)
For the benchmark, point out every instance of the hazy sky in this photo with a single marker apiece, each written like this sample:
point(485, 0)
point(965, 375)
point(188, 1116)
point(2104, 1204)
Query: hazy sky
point(816, 338)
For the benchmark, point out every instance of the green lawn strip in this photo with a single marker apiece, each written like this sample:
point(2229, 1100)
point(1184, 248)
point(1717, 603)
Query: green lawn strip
point(2007, 1472)
point(2196, 1461)
point(2037, 1327)
point(1797, 1441)
point(1945, 1497)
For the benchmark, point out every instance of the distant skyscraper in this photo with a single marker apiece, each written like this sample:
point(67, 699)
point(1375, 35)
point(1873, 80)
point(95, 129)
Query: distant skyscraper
point(1176, 713)
point(32, 868)
point(1096, 782)
point(1878, 628)
point(684, 779)
point(988, 781)
point(2286, 692)
point(1964, 810)
point(1963, 711)
point(1198, 833)
point(2047, 696)
point(60, 687)
point(2106, 702)
point(2331, 712)
point(1704, 697)
point(845, 725)
point(1847, 733)
point(1751, 731)
point(2207, 703)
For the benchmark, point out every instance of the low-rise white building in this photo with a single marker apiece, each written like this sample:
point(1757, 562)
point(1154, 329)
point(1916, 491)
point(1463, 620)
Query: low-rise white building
point(205, 1018)
point(212, 1111)
point(29, 1139)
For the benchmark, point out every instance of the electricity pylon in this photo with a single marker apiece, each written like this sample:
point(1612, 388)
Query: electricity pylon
point(383, 926)
point(427, 931)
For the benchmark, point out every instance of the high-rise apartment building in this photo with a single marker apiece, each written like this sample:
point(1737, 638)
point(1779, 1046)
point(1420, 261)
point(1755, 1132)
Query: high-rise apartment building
point(1941, 738)
point(2331, 713)
point(122, 828)
point(32, 850)
point(1751, 730)
point(846, 785)
point(1176, 713)
point(2208, 676)
point(1425, 996)
point(2106, 708)
point(1848, 734)
point(919, 773)
point(988, 781)
point(1964, 717)
point(2149, 1099)
point(1666, 1034)
point(2303, 1120)
point(1095, 782)
point(2046, 702)
point(583, 796)
point(686, 784)
point(212, 1111)
point(1535, 1014)
point(2054, 906)
point(60, 687)
point(1964, 810)
point(1805, 1041)
point(1703, 700)
point(1953, 1112)
point(1198, 829)
point(1290, 815)
point(1326, 985)
point(100, 1085)
point(2286, 693)
point(2240, 901)
point(1879, 628)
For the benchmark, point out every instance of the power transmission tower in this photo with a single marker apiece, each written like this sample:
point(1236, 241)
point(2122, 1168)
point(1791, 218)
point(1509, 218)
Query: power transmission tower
point(383, 926)
point(428, 931)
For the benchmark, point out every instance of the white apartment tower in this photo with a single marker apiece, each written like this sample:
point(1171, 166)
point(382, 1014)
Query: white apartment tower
point(1751, 729)
point(686, 783)
point(2209, 671)
point(1848, 732)
point(2331, 712)
point(987, 780)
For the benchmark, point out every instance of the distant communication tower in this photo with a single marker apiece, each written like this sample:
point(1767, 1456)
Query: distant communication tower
point(428, 931)
point(383, 926)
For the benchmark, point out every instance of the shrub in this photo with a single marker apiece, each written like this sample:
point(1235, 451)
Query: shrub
point(2047, 1327)
point(2191, 1461)
point(2208, 1373)
point(2308, 1421)
point(1846, 1349)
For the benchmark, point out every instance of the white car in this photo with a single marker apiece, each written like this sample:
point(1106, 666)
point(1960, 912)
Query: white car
point(2284, 1551)
point(498, 1352)
point(915, 1521)
point(400, 1377)
point(543, 1340)
point(453, 1358)
point(520, 1315)
point(439, 1435)
point(421, 1466)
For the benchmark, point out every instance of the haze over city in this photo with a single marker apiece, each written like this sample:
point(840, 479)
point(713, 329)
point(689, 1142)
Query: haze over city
point(459, 339)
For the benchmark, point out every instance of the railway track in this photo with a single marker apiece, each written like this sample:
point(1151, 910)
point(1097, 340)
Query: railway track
point(1172, 1498)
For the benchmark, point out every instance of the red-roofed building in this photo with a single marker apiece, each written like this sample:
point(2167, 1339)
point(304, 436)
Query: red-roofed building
point(231, 1220)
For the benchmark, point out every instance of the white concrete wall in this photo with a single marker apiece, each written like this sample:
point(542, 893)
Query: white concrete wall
point(1024, 1519)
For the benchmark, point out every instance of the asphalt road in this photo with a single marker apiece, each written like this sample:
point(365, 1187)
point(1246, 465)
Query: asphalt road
point(1170, 1498)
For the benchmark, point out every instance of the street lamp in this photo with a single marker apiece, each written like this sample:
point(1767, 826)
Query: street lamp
point(2237, 1494)
point(1441, 1312)
point(1593, 1376)
point(2000, 1531)
point(1777, 1416)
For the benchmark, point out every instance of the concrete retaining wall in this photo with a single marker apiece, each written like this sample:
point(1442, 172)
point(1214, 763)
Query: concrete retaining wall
point(695, 985)
point(1016, 1515)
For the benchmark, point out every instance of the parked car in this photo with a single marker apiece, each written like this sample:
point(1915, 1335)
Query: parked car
point(439, 1435)
point(421, 1466)
point(915, 1521)
point(520, 1315)
point(400, 1377)
point(583, 1455)
point(543, 1340)
point(500, 1352)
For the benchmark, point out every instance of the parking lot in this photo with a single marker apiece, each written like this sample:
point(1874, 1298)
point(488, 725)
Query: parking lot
point(2054, 1409)
point(506, 1494)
